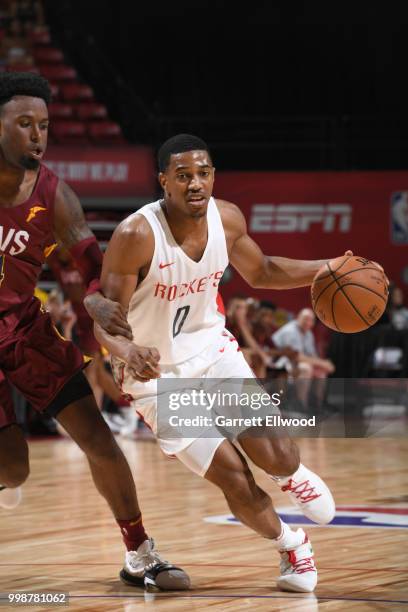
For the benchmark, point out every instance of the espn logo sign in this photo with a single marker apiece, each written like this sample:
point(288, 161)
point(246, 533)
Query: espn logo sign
point(290, 218)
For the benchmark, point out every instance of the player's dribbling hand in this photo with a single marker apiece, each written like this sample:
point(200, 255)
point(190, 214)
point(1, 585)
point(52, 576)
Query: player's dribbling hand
point(143, 363)
point(110, 315)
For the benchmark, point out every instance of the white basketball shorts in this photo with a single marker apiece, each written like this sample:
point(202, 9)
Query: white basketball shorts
point(222, 360)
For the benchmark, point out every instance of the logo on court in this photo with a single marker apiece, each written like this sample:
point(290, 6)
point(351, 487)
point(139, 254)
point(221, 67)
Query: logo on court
point(385, 517)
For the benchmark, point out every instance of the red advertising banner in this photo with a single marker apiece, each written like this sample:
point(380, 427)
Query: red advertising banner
point(124, 171)
point(311, 215)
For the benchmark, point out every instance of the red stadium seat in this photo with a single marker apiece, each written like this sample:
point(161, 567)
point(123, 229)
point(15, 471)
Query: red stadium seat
point(22, 68)
point(91, 110)
point(76, 91)
point(105, 132)
point(48, 55)
point(54, 91)
point(58, 72)
point(39, 37)
point(51, 138)
point(69, 132)
point(60, 110)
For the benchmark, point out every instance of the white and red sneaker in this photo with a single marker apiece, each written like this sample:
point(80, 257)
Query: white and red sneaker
point(298, 571)
point(310, 494)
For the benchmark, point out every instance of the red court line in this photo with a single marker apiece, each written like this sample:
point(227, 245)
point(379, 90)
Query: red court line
point(376, 509)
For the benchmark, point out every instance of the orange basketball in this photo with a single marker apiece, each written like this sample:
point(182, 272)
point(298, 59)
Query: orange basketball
point(349, 294)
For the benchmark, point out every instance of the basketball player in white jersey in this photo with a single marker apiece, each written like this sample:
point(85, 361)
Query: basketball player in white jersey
point(164, 264)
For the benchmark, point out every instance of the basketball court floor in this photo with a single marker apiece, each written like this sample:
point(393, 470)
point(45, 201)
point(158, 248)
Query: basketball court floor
point(62, 537)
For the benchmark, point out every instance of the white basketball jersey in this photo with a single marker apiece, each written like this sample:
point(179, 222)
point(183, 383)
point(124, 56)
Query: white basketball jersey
point(176, 307)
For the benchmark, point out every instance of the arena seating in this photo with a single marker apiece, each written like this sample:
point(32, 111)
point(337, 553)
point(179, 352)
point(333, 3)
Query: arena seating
point(40, 37)
point(60, 110)
point(77, 117)
point(69, 132)
point(48, 55)
point(58, 72)
point(105, 132)
point(76, 92)
point(91, 110)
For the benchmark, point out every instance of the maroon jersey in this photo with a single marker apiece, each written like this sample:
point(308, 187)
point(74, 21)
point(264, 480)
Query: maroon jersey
point(33, 356)
point(26, 235)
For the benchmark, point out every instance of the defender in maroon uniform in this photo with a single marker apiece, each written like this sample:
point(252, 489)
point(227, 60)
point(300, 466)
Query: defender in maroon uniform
point(36, 210)
point(69, 278)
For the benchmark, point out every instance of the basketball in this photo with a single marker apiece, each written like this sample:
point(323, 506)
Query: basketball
point(349, 294)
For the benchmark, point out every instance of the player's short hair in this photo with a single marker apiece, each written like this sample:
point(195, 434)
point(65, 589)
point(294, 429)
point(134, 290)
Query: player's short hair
point(23, 84)
point(179, 144)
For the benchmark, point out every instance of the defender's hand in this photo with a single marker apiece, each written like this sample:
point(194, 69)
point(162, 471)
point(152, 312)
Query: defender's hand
point(111, 316)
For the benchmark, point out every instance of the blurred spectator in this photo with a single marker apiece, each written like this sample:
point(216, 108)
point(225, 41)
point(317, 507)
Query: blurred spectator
point(263, 327)
point(238, 321)
point(398, 313)
point(15, 47)
point(298, 336)
point(61, 313)
point(252, 323)
point(236, 309)
point(30, 14)
point(264, 324)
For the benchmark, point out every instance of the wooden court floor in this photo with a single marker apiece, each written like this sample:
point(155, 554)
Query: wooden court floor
point(62, 536)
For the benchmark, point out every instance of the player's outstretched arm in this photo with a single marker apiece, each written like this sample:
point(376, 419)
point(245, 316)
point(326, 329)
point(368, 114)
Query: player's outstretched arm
point(259, 270)
point(71, 229)
point(129, 253)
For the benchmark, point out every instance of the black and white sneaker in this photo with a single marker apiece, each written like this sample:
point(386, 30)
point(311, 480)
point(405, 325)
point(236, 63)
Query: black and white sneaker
point(144, 567)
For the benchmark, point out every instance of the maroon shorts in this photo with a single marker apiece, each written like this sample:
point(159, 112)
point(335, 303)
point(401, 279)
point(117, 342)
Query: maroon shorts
point(38, 361)
point(7, 414)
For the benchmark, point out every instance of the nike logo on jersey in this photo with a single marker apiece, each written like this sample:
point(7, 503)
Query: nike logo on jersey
point(166, 265)
point(33, 211)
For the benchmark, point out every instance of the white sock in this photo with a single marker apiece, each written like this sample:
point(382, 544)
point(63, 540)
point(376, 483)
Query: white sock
point(283, 480)
point(288, 539)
